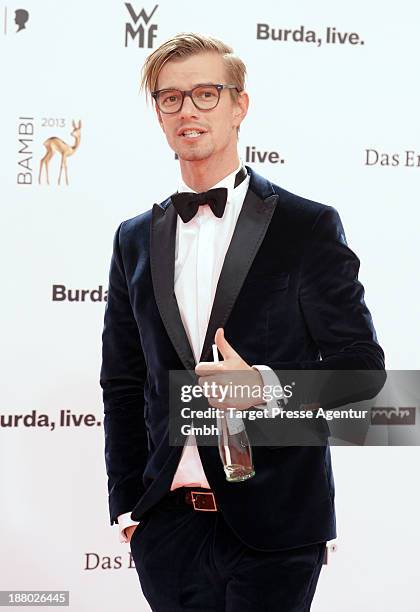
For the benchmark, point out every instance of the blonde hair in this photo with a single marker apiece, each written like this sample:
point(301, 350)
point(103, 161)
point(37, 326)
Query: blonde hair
point(186, 44)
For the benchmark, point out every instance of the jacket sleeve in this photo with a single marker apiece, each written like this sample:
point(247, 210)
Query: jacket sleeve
point(331, 299)
point(122, 377)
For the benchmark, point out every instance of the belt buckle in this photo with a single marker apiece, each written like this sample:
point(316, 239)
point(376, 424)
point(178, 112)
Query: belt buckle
point(194, 501)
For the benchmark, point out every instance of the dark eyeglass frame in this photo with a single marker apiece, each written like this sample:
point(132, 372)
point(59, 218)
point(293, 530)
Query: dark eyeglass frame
point(189, 93)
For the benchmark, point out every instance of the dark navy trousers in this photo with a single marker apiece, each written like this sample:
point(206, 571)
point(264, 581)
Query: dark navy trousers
point(189, 560)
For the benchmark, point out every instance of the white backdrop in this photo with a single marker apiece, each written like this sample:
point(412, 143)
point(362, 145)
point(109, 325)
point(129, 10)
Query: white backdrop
point(320, 106)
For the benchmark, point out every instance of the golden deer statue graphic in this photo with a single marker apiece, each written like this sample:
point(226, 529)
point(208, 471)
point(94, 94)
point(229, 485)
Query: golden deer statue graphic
point(56, 145)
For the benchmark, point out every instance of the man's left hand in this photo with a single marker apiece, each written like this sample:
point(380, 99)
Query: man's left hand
point(233, 370)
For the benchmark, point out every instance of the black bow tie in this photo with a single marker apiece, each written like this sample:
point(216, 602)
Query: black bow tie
point(186, 203)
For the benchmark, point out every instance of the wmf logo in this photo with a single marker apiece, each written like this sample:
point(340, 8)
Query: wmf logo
point(29, 131)
point(139, 29)
point(14, 20)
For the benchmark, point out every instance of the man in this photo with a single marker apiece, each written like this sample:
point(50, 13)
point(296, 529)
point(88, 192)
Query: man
point(267, 275)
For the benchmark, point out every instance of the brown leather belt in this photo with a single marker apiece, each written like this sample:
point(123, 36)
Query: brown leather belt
point(203, 501)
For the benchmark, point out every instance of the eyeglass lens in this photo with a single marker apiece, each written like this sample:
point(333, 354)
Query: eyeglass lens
point(205, 97)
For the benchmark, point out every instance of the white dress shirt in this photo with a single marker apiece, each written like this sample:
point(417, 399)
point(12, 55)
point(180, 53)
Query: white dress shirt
point(200, 249)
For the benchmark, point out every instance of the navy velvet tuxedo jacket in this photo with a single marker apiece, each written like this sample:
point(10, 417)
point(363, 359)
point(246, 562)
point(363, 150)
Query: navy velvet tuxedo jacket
point(288, 297)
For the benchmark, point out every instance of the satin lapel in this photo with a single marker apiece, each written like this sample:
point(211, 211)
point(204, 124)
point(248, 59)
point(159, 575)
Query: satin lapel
point(249, 232)
point(162, 264)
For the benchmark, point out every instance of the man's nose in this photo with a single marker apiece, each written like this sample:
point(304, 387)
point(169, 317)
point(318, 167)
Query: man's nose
point(188, 108)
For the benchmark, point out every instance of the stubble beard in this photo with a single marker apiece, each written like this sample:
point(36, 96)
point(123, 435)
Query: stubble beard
point(195, 153)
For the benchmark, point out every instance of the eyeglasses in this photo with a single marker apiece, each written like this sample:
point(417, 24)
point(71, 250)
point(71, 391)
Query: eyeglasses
point(204, 97)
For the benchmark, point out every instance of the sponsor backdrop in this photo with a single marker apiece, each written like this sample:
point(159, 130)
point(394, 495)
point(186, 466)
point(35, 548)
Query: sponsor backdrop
point(333, 117)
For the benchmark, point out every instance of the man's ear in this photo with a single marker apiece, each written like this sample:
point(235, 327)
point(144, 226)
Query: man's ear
point(241, 108)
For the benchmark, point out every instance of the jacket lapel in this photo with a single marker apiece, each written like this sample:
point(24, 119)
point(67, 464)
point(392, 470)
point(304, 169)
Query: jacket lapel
point(253, 221)
point(162, 264)
point(251, 227)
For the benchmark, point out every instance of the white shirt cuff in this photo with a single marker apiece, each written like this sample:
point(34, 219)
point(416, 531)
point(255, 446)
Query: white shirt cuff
point(125, 520)
point(270, 380)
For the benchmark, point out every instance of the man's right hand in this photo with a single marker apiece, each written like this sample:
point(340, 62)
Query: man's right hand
point(129, 531)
